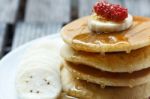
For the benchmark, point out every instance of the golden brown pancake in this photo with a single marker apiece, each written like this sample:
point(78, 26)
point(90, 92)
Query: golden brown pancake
point(85, 90)
point(111, 62)
point(93, 75)
point(78, 36)
point(64, 96)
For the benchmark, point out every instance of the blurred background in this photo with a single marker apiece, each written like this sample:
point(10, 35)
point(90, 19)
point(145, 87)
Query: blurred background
point(24, 20)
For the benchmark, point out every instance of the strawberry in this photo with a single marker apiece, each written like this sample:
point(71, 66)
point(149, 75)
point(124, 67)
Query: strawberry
point(113, 12)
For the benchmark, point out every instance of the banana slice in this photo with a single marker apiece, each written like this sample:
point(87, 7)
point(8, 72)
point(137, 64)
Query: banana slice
point(38, 83)
point(39, 73)
point(108, 26)
point(41, 57)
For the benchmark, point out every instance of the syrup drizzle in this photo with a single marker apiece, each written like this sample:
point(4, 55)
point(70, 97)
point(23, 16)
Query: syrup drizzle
point(112, 38)
point(128, 37)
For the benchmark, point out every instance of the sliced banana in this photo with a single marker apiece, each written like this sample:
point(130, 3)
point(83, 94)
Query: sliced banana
point(38, 83)
point(39, 73)
point(109, 26)
point(41, 57)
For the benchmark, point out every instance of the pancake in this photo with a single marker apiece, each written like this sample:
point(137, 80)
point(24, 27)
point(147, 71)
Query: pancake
point(64, 96)
point(93, 75)
point(78, 36)
point(111, 62)
point(85, 90)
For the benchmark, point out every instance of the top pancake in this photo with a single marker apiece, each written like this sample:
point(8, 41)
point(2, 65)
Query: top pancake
point(78, 35)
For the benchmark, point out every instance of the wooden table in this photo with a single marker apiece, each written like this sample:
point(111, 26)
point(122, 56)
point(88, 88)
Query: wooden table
point(24, 20)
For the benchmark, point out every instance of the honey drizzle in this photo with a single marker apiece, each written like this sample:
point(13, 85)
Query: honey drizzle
point(102, 38)
point(123, 37)
point(105, 38)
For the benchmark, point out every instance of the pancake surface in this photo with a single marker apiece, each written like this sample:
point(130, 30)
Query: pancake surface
point(84, 90)
point(78, 36)
point(111, 62)
point(93, 75)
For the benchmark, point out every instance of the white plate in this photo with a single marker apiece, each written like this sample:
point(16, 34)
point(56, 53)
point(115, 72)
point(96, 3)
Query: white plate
point(9, 67)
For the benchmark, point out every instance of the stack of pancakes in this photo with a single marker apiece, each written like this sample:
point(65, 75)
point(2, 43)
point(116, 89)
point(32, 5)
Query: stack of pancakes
point(106, 65)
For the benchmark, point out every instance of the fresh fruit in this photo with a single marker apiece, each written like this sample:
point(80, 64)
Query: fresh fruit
point(113, 12)
point(39, 73)
point(109, 26)
point(38, 83)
